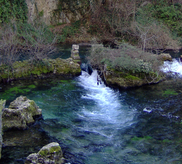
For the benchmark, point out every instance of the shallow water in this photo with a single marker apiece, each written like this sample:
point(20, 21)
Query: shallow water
point(96, 124)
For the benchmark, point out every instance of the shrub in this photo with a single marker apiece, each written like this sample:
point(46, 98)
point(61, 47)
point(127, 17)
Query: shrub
point(36, 41)
point(126, 59)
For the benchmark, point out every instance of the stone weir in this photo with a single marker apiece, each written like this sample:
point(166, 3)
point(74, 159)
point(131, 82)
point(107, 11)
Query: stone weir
point(46, 68)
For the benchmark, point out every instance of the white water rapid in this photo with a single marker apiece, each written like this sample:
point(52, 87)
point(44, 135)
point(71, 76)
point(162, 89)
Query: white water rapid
point(108, 112)
point(174, 67)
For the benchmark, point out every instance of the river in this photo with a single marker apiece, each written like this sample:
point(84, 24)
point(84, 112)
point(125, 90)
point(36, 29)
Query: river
point(95, 124)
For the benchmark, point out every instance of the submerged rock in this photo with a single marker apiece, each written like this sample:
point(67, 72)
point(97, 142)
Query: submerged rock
point(20, 114)
point(2, 103)
point(50, 153)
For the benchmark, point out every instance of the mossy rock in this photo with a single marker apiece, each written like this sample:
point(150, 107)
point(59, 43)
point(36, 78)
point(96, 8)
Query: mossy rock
point(51, 148)
point(26, 69)
point(20, 114)
point(128, 80)
point(50, 153)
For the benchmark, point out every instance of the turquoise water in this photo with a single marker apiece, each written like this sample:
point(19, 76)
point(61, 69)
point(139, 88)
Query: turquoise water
point(95, 124)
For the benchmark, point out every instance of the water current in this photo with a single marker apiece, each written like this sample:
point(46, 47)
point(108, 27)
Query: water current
point(95, 124)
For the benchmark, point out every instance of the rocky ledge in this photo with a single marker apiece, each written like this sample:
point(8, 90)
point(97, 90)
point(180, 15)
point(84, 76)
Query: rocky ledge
point(47, 67)
point(21, 113)
point(124, 80)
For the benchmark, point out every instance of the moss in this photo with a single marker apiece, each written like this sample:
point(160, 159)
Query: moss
point(131, 77)
point(32, 86)
point(52, 150)
point(169, 92)
point(32, 107)
point(55, 149)
point(44, 152)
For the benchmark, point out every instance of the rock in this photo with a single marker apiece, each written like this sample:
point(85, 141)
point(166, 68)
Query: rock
point(180, 58)
point(87, 68)
point(48, 154)
point(24, 69)
point(20, 114)
point(56, 11)
point(165, 57)
point(2, 104)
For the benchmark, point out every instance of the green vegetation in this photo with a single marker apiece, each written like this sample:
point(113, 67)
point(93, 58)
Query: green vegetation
point(169, 92)
point(13, 10)
point(126, 58)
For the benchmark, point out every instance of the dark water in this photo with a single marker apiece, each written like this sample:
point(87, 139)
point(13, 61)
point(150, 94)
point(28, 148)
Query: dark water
point(95, 124)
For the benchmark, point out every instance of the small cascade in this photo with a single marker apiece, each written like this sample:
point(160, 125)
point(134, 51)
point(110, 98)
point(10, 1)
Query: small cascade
point(107, 108)
point(174, 67)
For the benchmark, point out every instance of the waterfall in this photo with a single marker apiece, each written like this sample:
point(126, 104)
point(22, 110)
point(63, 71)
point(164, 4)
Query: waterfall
point(174, 67)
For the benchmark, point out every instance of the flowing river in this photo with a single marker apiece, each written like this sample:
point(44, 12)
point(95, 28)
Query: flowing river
point(95, 124)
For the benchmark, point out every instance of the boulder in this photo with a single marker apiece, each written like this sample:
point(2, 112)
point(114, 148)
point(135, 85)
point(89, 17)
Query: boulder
point(50, 153)
point(2, 104)
point(165, 57)
point(20, 114)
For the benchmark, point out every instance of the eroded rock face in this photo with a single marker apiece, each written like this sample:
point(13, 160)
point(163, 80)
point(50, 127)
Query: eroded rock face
point(57, 11)
point(50, 153)
point(20, 114)
point(41, 7)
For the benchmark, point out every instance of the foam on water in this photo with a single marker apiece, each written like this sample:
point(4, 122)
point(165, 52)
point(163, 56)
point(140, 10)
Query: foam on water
point(108, 110)
point(174, 67)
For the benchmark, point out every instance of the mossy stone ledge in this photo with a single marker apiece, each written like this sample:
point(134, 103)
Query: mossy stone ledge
point(123, 80)
point(26, 69)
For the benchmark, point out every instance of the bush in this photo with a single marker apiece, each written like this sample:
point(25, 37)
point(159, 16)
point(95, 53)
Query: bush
point(126, 59)
point(36, 41)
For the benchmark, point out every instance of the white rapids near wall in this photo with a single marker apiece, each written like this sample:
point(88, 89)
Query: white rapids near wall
point(174, 67)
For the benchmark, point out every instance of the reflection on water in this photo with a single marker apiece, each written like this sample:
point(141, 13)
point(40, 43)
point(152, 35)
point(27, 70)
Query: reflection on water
point(96, 124)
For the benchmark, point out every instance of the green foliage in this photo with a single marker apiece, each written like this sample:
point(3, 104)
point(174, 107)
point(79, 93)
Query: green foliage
point(16, 10)
point(168, 14)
